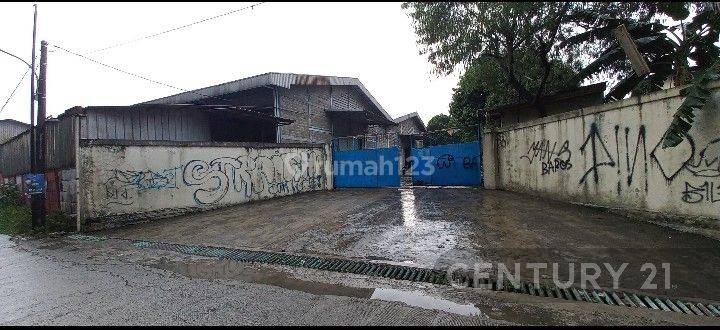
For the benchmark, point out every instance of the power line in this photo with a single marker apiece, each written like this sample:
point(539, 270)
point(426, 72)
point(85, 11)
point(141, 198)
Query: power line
point(17, 57)
point(142, 77)
point(14, 90)
point(121, 70)
point(156, 81)
point(175, 29)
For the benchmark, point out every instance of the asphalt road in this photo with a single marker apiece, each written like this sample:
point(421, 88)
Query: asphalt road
point(55, 284)
point(60, 281)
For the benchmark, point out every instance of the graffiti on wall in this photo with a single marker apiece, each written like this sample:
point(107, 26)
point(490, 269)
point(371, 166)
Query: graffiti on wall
point(707, 191)
point(243, 177)
point(551, 159)
point(444, 161)
point(600, 155)
point(707, 162)
point(122, 186)
point(471, 162)
point(276, 175)
point(623, 154)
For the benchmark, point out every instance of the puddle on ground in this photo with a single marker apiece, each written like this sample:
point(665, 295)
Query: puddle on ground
point(228, 269)
point(409, 213)
point(422, 300)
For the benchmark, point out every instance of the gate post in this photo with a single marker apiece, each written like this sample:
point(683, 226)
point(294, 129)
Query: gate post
point(328, 166)
point(489, 159)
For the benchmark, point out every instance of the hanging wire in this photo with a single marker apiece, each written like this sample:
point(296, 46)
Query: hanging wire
point(14, 90)
point(153, 35)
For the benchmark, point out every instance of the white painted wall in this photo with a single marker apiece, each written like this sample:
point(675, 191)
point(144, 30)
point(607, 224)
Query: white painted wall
point(610, 155)
point(120, 184)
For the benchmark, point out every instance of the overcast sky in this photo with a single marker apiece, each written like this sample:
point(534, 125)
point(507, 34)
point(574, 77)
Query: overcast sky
point(374, 42)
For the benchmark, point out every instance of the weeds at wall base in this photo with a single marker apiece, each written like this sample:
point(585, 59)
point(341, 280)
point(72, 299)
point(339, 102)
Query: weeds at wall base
point(16, 216)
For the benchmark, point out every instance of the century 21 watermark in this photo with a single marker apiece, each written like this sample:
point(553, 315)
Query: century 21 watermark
point(588, 274)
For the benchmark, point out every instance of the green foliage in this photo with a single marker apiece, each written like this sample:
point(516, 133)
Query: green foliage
point(15, 219)
point(672, 52)
point(438, 130)
point(696, 96)
point(513, 34)
point(58, 222)
point(16, 216)
point(483, 86)
point(9, 195)
point(444, 129)
point(668, 49)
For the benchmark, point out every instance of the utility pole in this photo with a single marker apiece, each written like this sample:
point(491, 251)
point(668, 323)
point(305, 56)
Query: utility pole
point(37, 200)
point(32, 96)
point(42, 113)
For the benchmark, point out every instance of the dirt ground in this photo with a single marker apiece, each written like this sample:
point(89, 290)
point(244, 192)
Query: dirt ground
point(434, 227)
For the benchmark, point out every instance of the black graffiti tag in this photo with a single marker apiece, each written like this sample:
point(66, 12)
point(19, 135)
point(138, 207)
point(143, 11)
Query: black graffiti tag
point(706, 192)
point(470, 162)
point(559, 163)
point(444, 161)
point(596, 142)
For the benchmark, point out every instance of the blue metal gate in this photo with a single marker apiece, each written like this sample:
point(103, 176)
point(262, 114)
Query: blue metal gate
point(448, 165)
point(367, 168)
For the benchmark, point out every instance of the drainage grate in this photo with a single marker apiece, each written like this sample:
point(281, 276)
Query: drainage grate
point(88, 238)
point(330, 264)
point(435, 276)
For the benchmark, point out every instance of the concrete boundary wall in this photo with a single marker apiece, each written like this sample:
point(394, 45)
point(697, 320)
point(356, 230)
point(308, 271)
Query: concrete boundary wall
point(611, 156)
point(122, 182)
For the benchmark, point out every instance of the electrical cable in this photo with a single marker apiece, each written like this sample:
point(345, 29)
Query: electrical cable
point(174, 29)
point(14, 90)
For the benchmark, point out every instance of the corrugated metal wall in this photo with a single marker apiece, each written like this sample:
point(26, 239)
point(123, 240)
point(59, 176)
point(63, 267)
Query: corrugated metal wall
point(145, 124)
point(15, 155)
point(104, 123)
point(60, 144)
point(60, 149)
point(10, 129)
point(306, 105)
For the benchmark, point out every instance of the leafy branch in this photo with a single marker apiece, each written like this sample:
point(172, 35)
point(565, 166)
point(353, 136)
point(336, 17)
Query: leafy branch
point(696, 96)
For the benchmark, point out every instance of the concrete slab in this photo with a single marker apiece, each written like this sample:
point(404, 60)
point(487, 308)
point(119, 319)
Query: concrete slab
point(439, 227)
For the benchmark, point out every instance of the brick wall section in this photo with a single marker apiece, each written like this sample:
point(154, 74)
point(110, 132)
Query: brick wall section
point(68, 191)
point(306, 105)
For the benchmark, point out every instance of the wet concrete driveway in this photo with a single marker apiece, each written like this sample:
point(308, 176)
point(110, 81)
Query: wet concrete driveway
point(434, 227)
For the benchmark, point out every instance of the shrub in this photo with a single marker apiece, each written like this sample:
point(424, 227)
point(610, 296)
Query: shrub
point(10, 195)
point(16, 216)
point(15, 219)
point(57, 222)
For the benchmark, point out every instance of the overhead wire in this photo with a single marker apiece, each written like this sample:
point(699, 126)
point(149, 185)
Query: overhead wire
point(14, 90)
point(153, 35)
point(147, 78)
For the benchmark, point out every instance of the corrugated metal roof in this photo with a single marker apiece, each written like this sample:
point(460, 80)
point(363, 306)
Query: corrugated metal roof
point(284, 80)
point(10, 128)
point(414, 116)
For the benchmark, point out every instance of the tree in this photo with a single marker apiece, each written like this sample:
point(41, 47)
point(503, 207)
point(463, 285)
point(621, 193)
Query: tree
point(483, 86)
point(460, 34)
point(684, 52)
point(438, 128)
point(673, 51)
